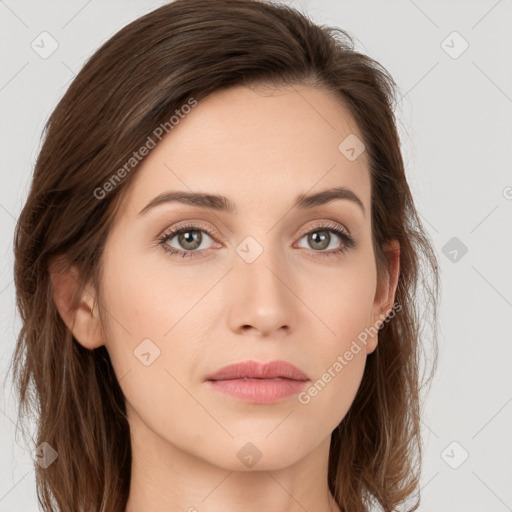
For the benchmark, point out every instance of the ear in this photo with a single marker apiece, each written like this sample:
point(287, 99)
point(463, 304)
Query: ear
point(386, 290)
point(79, 310)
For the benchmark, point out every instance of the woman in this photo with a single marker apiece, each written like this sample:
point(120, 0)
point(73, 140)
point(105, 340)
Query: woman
point(217, 269)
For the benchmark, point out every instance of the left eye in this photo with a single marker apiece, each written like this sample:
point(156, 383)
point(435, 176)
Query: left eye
point(321, 237)
point(189, 239)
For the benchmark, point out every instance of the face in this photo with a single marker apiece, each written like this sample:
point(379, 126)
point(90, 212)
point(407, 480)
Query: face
point(191, 288)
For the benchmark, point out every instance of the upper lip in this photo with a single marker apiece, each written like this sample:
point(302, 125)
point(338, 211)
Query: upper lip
point(255, 370)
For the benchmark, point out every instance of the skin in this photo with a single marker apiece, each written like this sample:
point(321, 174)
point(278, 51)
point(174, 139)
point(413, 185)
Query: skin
point(260, 148)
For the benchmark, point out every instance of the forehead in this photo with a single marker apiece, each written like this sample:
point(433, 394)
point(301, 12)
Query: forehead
point(255, 145)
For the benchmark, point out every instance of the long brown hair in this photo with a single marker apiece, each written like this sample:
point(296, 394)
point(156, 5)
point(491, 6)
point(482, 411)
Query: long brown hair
point(128, 88)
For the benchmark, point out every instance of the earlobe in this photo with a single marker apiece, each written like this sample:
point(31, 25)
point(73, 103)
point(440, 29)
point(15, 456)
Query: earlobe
point(77, 309)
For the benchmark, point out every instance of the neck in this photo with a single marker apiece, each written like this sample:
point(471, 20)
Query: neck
point(165, 478)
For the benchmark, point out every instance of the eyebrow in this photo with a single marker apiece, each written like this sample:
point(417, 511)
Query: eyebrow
point(223, 204)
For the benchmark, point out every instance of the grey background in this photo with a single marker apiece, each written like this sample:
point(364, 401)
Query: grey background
point(455, 123)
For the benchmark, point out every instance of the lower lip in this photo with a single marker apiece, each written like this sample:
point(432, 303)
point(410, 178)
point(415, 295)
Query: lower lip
point(259, 391)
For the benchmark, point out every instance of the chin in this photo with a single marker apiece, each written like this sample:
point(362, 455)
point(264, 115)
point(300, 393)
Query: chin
point(255, 453)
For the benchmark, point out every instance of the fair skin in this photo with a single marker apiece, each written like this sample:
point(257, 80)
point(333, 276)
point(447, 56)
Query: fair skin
point(295, 303)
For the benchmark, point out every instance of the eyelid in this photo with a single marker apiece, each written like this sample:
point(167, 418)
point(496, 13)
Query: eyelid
point(192, 224)
point(324, 223)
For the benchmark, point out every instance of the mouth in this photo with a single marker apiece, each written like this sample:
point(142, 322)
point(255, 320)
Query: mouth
point(255, 370)
point(258, 383)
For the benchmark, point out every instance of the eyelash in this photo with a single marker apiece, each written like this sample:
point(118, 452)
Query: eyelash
point(348, 241)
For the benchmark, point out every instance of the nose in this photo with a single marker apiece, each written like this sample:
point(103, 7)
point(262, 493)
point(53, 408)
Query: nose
point(260, 296)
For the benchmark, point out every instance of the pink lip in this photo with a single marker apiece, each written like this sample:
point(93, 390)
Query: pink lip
point(259, 383)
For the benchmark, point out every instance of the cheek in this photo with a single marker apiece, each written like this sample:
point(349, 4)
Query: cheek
point(156, 325)
point(146, 298)
point(328, 399)
point(344, 307)
point(152, 346)
point(340, 303)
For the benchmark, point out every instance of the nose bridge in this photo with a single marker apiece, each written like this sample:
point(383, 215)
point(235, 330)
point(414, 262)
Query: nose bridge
point(260, 263)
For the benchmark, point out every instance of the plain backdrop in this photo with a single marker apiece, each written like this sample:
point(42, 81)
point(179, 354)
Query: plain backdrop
point(452, 63)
